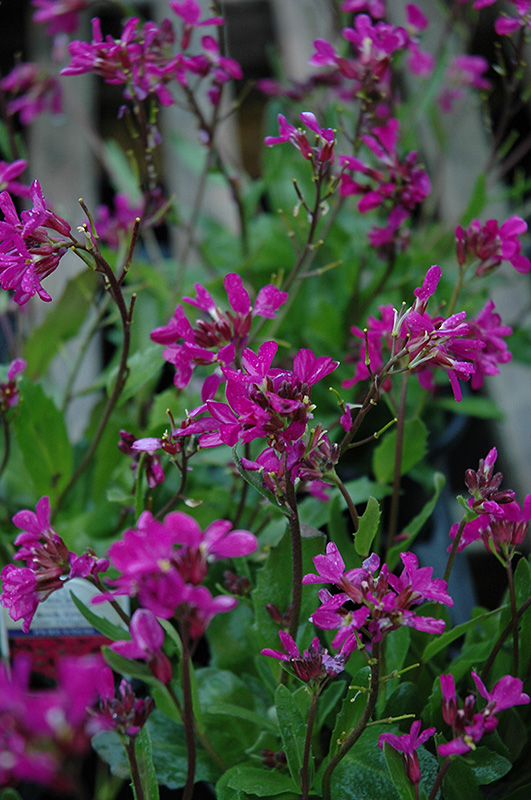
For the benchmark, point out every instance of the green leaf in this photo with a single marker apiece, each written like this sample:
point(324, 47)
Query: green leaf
point(144, 366)
point(292, 731)
point(487, 765)
point(113, 632)
point(414, 527)
point(442, 641)
point(368, 527)
point(460, 775)
point(169, 753)
point(395, 765)
point(257, 782)
point(351, 708)
point(61, 323)
point(42, 437)
point(146, 768)
point(480, 407)
point(415, 443)
point(111, 750)
point(126, 666)
point(10, 794)
point(363, 773)
point(231, 710)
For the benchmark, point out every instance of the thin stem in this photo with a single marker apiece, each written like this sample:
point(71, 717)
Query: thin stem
point(355, 734)
point(296, 554)
point(126, 315)
point(455, 294)
point(133, 769)
point(514, 617)
point(7, 443)
point(501, 639)
point(395, 500)
point(439, 779)
point(353, 511)
point(453, 551)
point(305, 774)
point(205, 741)
point(188, 713)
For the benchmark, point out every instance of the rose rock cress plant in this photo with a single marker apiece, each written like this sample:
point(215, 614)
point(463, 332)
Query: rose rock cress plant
point(245, 496)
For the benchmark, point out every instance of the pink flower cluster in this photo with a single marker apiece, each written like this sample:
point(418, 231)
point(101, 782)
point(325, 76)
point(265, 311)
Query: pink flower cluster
point(383, 602)
point(501, 523)
point(467, 723)
point(164, 563)
point(41, 729)
point(30, 91)
point(9, 394)
point(399, 187)
point(420, 343)
point(29, 247)
point(61, 16)
point(49, 564)
point(320, 152)
point(142, 60)
point(220, 337)
point(492, 243)
point(313, 665)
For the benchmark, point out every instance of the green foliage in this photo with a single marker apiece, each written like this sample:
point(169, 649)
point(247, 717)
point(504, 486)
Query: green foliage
point(42, 437)
point(415, 436)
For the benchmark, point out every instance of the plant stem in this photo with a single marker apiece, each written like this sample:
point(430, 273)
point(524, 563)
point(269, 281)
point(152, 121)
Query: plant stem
point(188, 713)
point(296, 554)
point(205, 741)
point(353, 511)
point(395, 500)
point(355, 734)
point(501, 639)
point(133, 769)
point(453, 551)
point(7, 443)
point(126, 315)
point(514, 617)
point(305, 775)
point(439, 779)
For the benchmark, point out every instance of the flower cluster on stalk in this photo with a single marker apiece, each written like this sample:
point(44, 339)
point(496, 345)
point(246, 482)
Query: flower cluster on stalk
point(31, 246)
point(468, 723)
point(421, 344)
point(383, 601)
point(49, 564)
point(220, 336)
point(163, 565)
point(41, 729)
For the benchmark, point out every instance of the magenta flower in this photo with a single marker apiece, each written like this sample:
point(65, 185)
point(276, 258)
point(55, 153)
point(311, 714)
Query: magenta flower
point(387, 599)
point(139, 60)
point(465, 71)
point(28, 251)
point(48, 564)
point(407, 744)
point(31, 91)
point(61, 16)
point(322, 149)
point(122, 711)
point(311, 665)
point(116, 226)
point(506, 26)
point(492, 243)
point(162, 564)
point(190, 12)
point(152, 465)
point(221, 338)
point(396, 186)
point(147, 638)
point(9, 394)
point(470, 725)
point(8, 172)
